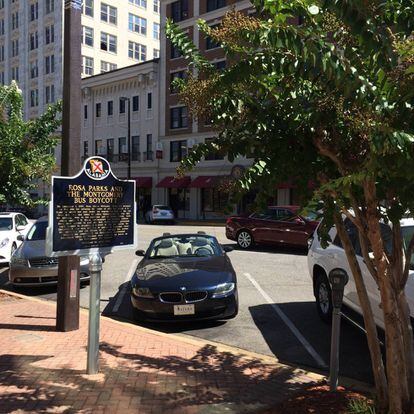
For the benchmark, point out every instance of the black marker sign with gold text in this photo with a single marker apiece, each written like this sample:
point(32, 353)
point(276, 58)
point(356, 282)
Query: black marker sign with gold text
point(92, 212)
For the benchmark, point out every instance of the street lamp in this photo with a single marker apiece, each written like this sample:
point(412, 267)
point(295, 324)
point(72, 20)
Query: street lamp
point(124, 99)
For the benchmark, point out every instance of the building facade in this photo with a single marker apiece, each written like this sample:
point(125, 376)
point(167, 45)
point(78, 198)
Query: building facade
point(114, 34)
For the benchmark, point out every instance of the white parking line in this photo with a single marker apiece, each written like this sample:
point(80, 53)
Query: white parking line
point(288, 322)
point(124, 289)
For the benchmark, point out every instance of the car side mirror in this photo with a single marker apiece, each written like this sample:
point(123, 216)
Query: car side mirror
point(228, 249)
point(20, 237)
point(20, 228)
point(140, 253)
point(298, 220)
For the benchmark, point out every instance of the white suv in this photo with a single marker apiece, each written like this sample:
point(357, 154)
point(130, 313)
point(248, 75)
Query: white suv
point(12, 225)
point(321, 261)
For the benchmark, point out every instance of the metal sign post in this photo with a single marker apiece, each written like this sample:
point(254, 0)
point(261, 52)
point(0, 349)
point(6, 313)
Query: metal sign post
point(338, 279)
point(90, 215)
point(95, 268)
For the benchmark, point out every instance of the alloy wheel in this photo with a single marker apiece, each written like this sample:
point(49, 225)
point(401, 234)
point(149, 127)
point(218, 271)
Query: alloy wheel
point(244, 239)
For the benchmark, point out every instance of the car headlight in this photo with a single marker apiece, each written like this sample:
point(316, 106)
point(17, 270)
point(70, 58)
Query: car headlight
point(223, 290)
point(142, 292)
point(18, 261)
point(4, 242)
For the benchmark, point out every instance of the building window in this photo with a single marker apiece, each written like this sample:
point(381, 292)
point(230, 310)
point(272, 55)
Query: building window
point(137, 24)
point(213, 200)
point(85, 149)
point(107, 66)
point(211, 43)
point(123, 150)
point(178, 150)
point(50, 94)
point(157, 6)
point(1, 4)
point(2, 27)
point(87, 36)
point(34, 11)
point(110, 149)
point(137, 51)
point(135, 153)
point(87, 7)
point(179, 10)
point(50, 6)
point(15, 20)
point(140, 3)
point(110, 108)
point(49, 64)
point(15, 73)
point(50, 34)
point(34, 40)
point(156, 31)
point(176, 75)
point(108, 42)
point(34, 98)
point(214, 155)
point(85, 111)
point(87, 65)
point(215, 4)
point(149, 155)
point(156, 53)
point(2, 78)
point(2, 56)
point(175, 52)
point(149, 100)
point(15, 47)
point(109, 14)
point(122, 106)
point(135, 103)
point(99, 147)
point(34, 69)
point(178, 117)
point(98, 109)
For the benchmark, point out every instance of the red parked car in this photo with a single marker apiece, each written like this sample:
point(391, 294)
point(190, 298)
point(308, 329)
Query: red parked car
point(277, 225)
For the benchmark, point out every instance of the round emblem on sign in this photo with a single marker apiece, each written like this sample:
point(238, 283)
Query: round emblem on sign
point(97, 168)
point(237, 171)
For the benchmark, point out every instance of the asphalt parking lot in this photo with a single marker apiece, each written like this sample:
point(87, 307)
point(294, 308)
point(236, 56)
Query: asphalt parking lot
point(277, 313)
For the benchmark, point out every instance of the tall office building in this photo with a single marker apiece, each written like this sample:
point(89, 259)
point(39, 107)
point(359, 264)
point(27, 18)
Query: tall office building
point(114, 34)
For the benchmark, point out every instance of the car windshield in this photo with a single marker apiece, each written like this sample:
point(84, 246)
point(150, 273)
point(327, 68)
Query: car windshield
point(37, 231)
point(184, 246)
point(6, 223)
point(311, 215)
point(162, 207)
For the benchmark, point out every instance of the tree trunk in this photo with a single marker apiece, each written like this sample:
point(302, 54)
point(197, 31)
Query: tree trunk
point(396, 362)
point(370, 326)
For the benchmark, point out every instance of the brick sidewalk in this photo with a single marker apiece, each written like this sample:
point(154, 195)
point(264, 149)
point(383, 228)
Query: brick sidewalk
point(141, 371)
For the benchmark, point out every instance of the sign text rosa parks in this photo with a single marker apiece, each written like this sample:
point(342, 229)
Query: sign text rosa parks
point(95, 194)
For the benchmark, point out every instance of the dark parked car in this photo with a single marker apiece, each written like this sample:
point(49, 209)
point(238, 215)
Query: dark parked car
point(182, 277)
point(277, 225)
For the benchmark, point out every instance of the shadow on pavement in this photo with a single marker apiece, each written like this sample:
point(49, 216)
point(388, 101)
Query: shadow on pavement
point(355, 359)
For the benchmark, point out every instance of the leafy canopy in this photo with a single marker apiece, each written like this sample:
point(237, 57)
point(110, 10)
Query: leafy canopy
point(26, 147)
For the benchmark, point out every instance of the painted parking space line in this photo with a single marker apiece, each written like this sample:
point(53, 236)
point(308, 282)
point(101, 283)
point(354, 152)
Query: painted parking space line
point(124, 289)
point(309, 348)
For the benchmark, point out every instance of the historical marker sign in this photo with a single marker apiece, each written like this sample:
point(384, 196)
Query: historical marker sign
point(92, 212)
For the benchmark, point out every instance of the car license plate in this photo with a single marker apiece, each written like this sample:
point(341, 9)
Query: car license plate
point(184, 310)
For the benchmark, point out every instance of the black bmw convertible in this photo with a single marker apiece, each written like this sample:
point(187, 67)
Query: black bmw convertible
point(184, 277)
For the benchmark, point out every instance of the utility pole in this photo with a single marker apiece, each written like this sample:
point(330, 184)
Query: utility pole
point(67, 314)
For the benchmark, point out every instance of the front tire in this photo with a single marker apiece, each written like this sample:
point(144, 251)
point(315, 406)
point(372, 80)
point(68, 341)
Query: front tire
point(244, 239)
point(323, 297)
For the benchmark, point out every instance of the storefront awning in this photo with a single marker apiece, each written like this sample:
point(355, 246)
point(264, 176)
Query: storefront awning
point(143, 182)
point(206, 181)
point(174, 182)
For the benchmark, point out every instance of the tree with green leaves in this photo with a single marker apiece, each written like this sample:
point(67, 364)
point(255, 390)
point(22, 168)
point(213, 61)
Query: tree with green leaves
point(26, 148)
point(324, 91)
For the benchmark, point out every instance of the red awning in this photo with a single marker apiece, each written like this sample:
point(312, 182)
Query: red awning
point(144, 182)
point(206, 181)
point(173, 182)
